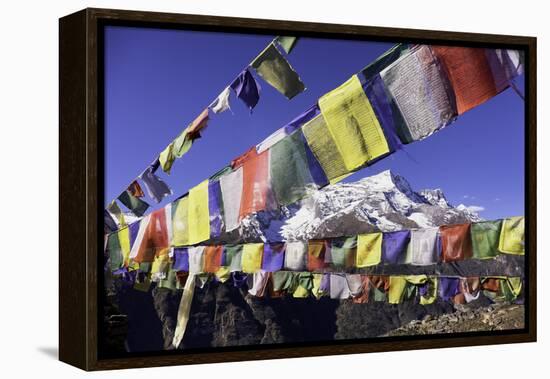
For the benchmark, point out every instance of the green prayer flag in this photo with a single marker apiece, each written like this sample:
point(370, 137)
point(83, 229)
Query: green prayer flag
point(276, 70)
point(485, 236)
point(290, 176)
point(343, 251)
point(182, 144)
point(135, 204)
point(116, 259)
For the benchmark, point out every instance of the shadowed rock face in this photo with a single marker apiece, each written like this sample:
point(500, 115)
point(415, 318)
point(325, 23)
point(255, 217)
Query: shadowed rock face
point(222, 315)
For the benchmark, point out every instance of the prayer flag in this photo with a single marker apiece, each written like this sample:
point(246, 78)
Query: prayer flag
point(221, 104)
point(397, 286)
point(155, 186)
point(295, 255)
point(289, 169)
point(424, 246)
point(485, 236)
point(276, 70)
point(232, 257)
point(316, 251)
point(181, 259)
point(324, 148)
point(512, 236)
point(469, 74)
point(198, 214)
point(252, 257)
point(167, 158)
point(135, 189)
point(456, 243)
point(196, 259)
point(134, 204)
point(339, 286)
point(343, 251)
point(421, 92)
point(273, 257)
point(256, 192)
point(154, 237)
point(394, 246)
point(212, 258)
point(353, 125)
point(231, 186)
point(215, 207)
point(247, 89)
point(369, 249)
point(180, 222)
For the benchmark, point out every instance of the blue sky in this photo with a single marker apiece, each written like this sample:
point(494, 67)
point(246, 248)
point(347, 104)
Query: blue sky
point(157, 81)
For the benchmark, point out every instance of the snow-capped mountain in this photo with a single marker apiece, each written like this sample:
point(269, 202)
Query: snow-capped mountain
point(383, 202)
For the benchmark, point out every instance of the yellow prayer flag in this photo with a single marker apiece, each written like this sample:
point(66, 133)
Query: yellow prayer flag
point(369, 249)
point(353, 124)
point(398, 284)
point(180, 223)
point(223, 274)
point(512, 236)
point(124, 240)
point(325, 150)
point(300, 292)
point(199, 215)
point(252, 257)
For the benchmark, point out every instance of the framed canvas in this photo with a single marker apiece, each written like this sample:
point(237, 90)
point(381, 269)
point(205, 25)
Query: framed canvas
point(241, 189)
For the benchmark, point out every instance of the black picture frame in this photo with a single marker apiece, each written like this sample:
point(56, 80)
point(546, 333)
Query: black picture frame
point(81, 166)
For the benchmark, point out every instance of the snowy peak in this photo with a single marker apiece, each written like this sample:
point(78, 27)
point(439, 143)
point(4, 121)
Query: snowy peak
point(435, 197)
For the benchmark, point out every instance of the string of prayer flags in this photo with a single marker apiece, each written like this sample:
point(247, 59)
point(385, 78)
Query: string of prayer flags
point(421, 92)
point(287, 43)
point(485, 238)
point(512, 236)
point(353, 125)
point(134, 204)
point(275, 70)
point(424, 247)
point(156, 187)
point(198, 214)
point(369, 249)
point(456, 243)
point(470, 75)
point(221, 104)
point(247, 89)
